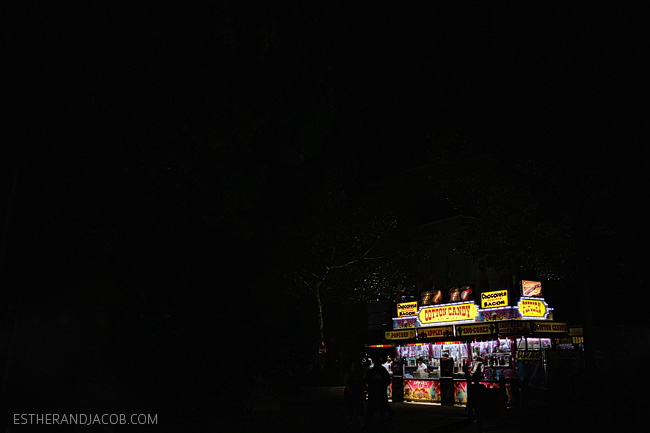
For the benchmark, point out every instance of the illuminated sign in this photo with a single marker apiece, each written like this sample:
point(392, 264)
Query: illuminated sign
point(532, 308)
point(422, 390)
point(531, 288)
point(448, 313)
point(431, 297)
point(407, 309)
point(514, 327)
point(552, 327)
point(494, 299)
point(466, 292)
point(528, 355)
point(454, 294)
point(460, 293)
point(404, 322)
point(403, 334)
point(439, 331)
point(477, 329)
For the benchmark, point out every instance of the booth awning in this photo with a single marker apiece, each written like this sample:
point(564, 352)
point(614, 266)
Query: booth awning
point(482, 330)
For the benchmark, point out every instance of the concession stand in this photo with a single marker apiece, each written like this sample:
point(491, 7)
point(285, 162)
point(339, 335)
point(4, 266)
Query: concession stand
point(434, 341)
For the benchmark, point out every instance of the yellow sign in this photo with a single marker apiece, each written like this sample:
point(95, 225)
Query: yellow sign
point(448, 313)
point(532, 308)
point(437, 332)
point(514, 327)
point(476, 329)
point(553, 327)
point(407, 309)
point(402, 334)
point(494, 299)
point(528, 355)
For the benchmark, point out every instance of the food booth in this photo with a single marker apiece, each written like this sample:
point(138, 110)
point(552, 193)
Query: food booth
point(509, 336)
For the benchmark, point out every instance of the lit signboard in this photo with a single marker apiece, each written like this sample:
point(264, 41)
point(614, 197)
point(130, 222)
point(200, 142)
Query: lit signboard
point(550, 327)
point(407, 309)
point(514, 327)
point(532, 308)
point(528, 355)
point(448, 313)
point(531, 288)
point(461, 293)
point(405, 322)
point(437, 332)
point(431, 297)
point(466, 292)
point(494, 299)
point(476, 329)
point(403, 334)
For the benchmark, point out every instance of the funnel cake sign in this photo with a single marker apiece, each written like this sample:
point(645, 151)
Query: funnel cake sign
point(532, 308)
point(448, 313)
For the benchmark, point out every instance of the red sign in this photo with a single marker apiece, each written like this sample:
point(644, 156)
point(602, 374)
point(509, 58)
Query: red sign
point(531, 288)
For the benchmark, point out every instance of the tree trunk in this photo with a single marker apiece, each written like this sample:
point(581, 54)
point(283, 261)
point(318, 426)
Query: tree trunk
point(320, 345)
point(319, 305)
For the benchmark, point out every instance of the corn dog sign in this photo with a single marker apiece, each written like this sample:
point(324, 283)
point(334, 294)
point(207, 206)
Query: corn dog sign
point(531, 288)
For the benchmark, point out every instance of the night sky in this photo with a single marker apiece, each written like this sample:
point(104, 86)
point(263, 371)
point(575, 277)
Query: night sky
point(159, 155)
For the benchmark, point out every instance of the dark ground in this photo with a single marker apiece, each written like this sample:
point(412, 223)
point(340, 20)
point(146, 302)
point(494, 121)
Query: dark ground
point(322, 409)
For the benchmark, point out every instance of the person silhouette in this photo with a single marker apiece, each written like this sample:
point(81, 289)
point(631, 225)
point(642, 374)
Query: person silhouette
point(475, 388)
point(377, 381)
point(355, 394)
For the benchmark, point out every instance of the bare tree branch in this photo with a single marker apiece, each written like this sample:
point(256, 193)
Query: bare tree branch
point(311, 273)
